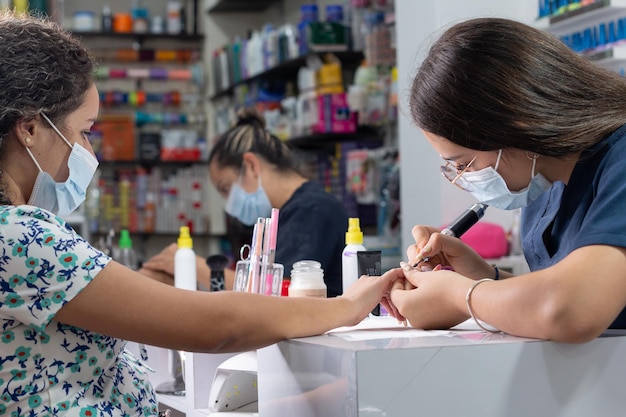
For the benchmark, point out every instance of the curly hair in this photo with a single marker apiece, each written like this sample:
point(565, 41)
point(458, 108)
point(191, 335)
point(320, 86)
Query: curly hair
point(42, 69)
point(250, 135)
point(489, 83)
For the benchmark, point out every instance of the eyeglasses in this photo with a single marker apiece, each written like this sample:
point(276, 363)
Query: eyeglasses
point(453, 172)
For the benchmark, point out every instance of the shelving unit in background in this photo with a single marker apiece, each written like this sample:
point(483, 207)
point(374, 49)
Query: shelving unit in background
point(323, 155)
point(220, 6)
point(152, 91)
point(604, 15)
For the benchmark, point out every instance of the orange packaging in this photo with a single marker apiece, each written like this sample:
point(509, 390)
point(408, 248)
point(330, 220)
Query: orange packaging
point(122, 23)
point(127, 55)
point(165, 55)
point(118, 137)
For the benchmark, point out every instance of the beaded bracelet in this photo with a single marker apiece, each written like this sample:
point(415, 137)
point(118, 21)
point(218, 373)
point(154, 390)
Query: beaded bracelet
point(468, 301)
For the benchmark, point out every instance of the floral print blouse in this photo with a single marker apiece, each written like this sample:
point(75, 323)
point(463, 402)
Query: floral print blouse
point(48, 368)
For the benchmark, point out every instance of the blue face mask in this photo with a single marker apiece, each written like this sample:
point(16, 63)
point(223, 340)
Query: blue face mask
point(62, 198)
point(248, 207)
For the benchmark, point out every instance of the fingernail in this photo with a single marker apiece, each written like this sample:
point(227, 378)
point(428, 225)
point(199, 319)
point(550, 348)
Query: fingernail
point(405, 266)
point(422, 255)
point(437, 268)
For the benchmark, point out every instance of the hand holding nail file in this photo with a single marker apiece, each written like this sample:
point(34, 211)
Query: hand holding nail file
point(461, 224)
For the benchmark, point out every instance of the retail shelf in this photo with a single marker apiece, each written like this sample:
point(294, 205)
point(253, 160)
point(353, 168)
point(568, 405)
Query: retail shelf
point(240, 6)
point(322, 140)
point(147, 235)
point(289, 69)
point(616, 52)
point(141, 36)
point(587, 16)
point(613, 58)
point(150, 163)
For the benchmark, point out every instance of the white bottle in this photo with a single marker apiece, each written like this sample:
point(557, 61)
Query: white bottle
point(349, 262)
point(307, 280)
point(185, 262)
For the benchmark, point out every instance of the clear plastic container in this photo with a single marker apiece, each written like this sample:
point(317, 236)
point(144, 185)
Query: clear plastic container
point(307, 280)
point(258, 277)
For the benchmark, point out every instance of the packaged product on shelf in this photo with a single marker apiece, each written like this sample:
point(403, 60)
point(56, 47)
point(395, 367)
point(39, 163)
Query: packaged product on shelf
point(269, 41)
point(224, 70)
point(306, 106)
point(235, 60)
point(118, 137)
point(358, 26)
point(334, 114)
point(254, 54)
point(149, 149)
point(84, 21)
point(329, 35)
point(308, 14)
point(329, 79)
point(173, 24)
point(287, 43)
point(378, 49)
point(179, 145)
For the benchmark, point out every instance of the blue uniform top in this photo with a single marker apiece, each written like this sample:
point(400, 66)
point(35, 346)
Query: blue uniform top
point(589, 210)
point(312, 225)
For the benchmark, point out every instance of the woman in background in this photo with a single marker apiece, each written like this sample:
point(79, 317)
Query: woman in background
point(255, 171)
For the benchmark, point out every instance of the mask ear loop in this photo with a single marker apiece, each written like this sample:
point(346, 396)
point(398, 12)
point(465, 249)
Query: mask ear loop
point(498, 160)
point(56, 129)
point(534, 158)
point(34, 160)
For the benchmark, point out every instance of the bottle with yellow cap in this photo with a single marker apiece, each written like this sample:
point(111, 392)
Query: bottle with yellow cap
point(354, 243)
point(185, 262)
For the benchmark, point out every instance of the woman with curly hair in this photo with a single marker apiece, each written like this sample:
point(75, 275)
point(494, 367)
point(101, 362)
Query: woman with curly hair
point(67, 309)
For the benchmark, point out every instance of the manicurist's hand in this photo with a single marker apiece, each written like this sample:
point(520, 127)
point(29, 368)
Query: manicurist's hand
point(436, 299)
point(446, 251)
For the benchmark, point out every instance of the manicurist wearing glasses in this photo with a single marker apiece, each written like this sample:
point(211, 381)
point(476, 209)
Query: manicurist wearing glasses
point(523, 122)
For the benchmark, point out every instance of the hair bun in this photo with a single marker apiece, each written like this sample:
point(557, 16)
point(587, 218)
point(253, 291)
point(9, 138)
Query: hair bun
point(250, 116)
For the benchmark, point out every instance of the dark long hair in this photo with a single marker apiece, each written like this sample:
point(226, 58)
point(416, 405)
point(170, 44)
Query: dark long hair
point(489, 83)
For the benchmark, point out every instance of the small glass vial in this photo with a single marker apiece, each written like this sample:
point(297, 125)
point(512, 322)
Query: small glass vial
point(307, 280)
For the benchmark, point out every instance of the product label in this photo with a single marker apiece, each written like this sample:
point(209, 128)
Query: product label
point(349, 254)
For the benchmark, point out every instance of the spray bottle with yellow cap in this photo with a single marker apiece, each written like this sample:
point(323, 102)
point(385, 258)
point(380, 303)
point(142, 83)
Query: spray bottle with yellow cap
point(349, 263)
point(185, 262)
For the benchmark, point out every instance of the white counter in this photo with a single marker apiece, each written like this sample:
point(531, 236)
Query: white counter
point(405, 372)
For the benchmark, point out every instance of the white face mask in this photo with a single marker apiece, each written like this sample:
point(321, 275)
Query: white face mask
point(62, 198)
point(488, 187)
